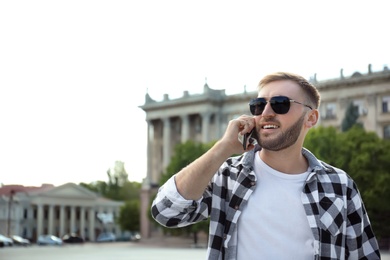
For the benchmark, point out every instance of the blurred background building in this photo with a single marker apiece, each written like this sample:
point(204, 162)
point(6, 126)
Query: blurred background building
point(204, 117)
point(33, 211)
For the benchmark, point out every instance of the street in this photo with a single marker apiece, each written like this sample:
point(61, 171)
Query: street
point(107, 251)
point(94, 251)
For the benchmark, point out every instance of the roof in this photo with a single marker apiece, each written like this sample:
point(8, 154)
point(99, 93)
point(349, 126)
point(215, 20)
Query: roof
point(7, 189)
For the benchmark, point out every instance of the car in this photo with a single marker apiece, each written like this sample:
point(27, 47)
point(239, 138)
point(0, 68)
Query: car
point(72, 239)
point(106, 237)
point(129, 236)
point(136, 236)
point(49, 240)
point(18, 240)
point(6, 241)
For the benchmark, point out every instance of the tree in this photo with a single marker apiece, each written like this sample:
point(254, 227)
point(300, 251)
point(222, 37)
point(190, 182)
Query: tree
point(129, 216)
point(118, 174)
point(119, 188)
point(350, 118)
point(366, 158)
point(184, 154)
point(368, 162)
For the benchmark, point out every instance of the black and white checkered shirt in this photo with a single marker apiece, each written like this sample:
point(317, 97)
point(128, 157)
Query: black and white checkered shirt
point(332, 202)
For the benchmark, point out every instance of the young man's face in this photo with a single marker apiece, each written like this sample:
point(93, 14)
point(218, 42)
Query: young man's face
point(277, 131)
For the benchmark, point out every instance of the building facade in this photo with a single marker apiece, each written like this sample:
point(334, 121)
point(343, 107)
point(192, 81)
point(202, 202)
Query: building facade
point(204, 117)
point(69, 208)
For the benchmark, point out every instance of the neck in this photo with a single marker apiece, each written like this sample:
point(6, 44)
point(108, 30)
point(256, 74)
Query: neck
point(289, 161)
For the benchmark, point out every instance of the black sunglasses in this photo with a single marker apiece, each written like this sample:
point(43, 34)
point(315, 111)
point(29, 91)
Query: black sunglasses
point(279, 104)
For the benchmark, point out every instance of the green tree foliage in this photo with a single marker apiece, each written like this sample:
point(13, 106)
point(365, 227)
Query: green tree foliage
point(350, 118)
point(119, 188)
point(184, 154)
point(366, 158)
point(129, 218)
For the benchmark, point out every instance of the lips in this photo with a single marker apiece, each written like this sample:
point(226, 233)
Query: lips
point(269, 126)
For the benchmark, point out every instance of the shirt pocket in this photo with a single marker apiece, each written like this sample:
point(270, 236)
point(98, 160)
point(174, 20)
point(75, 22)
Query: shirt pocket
point(332, 215)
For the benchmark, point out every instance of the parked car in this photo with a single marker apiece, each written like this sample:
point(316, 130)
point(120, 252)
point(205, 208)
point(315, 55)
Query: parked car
point(6, 240)
point(129, 236)
point(18, 240)
point(49, 240)
point(72, 239)
point(106, 237)
point(135, 236)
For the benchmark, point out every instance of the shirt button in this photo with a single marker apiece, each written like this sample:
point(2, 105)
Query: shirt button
point(236, 207)
point(253, 183)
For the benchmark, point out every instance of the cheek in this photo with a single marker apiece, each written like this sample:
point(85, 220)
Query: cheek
point(257, 119)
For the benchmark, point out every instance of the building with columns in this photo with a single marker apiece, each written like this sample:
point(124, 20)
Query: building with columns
point(69, 208)
point(204, 117)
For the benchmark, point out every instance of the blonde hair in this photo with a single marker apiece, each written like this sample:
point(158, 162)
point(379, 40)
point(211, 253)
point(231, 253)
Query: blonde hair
point(311, 92)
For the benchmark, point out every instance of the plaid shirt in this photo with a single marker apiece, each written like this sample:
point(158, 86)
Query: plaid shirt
point(332, 202)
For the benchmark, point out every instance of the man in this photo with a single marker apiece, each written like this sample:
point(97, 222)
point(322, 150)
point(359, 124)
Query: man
point(277, 200)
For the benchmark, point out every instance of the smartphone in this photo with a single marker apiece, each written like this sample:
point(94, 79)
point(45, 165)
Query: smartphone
point(247, 139)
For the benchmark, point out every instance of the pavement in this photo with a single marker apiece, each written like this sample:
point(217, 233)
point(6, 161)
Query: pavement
point(174, 242)
point(161, 248)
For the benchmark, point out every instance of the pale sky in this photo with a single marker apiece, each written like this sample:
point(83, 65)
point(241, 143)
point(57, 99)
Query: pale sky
point(74, 73)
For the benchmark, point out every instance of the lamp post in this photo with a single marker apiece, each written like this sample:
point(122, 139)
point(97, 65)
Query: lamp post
point(11, 197)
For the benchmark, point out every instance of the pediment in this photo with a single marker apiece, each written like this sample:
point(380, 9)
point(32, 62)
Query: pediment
point(69, 190)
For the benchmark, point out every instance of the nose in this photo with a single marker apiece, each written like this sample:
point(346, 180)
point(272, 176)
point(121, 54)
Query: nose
point(268, 111)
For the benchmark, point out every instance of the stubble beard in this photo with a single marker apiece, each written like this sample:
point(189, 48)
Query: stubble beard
point(284, 139)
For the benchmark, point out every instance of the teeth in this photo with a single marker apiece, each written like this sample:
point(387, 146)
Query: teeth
point(270, 126)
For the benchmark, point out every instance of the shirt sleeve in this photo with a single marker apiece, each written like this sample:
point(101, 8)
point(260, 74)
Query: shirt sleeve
point(170, 209)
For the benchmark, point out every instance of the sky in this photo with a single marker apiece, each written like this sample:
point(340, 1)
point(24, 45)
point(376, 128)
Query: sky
point(74, 73)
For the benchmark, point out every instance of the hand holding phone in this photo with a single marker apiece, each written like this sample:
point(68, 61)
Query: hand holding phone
point(247, 139)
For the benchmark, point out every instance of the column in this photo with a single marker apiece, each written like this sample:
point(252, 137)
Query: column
point(205, 127)
point(150, 150)
point(372, 114)
point(166, 142)
point(117, 228)
point(51, 219)
point(218, 133)
point(72, 219)
point(62, 220)
point(82, 222)
point(39, 220)
point(185, 128)
point(91, 228)
point(144, 213)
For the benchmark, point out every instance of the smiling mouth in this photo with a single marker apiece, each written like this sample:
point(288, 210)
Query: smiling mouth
point(270, 127)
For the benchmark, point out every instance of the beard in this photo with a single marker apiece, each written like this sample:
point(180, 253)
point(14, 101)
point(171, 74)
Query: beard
point(284, 139)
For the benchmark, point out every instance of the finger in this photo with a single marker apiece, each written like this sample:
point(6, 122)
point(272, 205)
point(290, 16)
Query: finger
point(247, 125)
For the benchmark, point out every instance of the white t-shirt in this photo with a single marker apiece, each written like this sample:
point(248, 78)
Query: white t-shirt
point(274, 224)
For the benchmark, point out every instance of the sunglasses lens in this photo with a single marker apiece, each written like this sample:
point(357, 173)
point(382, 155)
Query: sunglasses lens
point(281, 104)
point(257, 106)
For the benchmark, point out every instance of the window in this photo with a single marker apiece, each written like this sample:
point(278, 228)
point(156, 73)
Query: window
point(360, 106)
point(329, 111)
point(386, 104)
point(386, 132)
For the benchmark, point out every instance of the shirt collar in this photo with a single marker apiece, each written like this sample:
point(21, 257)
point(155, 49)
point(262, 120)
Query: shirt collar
point(248, 159)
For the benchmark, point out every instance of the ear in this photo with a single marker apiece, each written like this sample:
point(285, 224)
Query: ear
point(312, 118)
